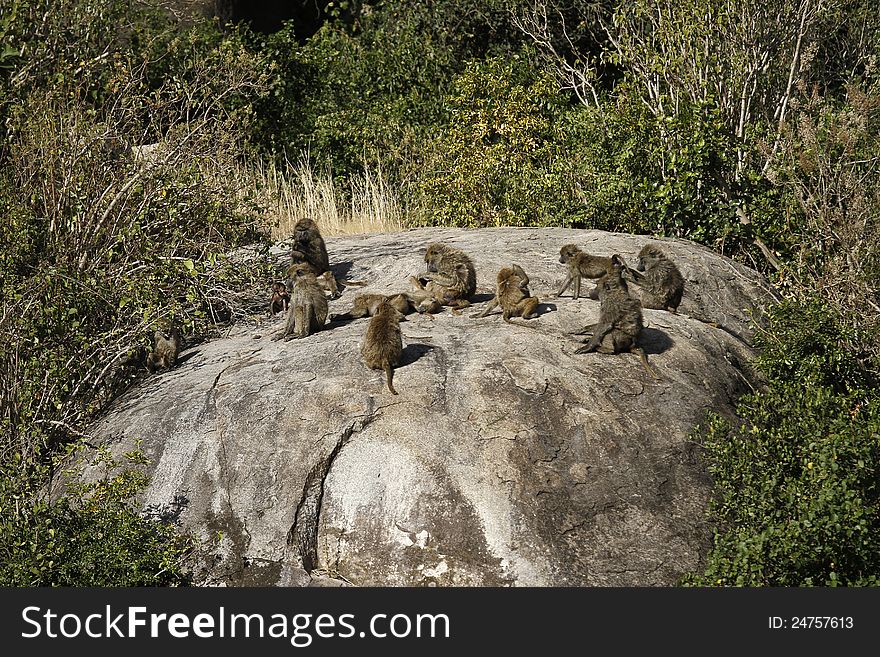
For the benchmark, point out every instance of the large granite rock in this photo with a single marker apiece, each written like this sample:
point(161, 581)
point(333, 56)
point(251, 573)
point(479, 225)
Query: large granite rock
point(506, 459)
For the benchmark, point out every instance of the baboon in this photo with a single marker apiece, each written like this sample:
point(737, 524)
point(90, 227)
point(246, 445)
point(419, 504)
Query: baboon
point(382, 347)
point(308, 305)
point(449, 280)
point(580, 265)
point(308, 241)
point(512, 294)
point(280, 298)
point(325, 278)
point(662, 283)
point(367, 305)
point(620, 318)
point(165, 351)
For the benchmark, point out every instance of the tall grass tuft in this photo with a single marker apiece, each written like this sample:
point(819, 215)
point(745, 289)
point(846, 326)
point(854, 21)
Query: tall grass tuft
point(291, 190)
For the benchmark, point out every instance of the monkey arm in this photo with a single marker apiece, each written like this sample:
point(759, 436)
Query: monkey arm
point(439, 278)
point(588, 329)
point(601, 331)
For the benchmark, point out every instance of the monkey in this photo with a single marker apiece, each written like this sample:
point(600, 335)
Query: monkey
point(325, 279)
point(382, 347)
point(308, 242)
point(662, 284)
point(581, 264)
point(280, 298)
point(620, 318)
point(308, 305)
point(366, 305)
point(512, 294)
point(450, 279)
point(165, 351)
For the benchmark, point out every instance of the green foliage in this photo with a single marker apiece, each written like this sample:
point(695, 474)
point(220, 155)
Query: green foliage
point(102, 240)
point(372, 88)
point(90, 536)
point(498, 159)
point(642, 174)
point(798, 477)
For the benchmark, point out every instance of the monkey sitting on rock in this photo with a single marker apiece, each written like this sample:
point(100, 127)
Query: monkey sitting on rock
point(165, 351)
point(661, 283)
point(512, 294)
point(620, 318)
point(450, 280)
point(308, 305)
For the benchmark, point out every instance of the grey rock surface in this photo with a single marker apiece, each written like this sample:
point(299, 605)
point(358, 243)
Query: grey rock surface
point(506, 459)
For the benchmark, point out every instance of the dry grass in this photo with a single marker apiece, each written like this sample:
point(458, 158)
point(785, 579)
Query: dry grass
point(294, 190)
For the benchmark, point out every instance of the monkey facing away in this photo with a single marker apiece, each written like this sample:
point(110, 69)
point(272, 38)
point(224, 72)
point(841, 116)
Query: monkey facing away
point(450, 279)
point(280, 300)
point(367, 305)
point(581, 265)
point(308, 305)
point(512, 294)
point(620, 318)
point(382, 347)
point(661, 283)
point(165, 351)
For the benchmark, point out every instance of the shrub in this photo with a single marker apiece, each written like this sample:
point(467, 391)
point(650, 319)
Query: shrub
point(90, 536)
point(798, 498)
point(498, 160)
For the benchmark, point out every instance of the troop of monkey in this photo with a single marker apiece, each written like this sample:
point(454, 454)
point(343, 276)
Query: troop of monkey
point(450, 280)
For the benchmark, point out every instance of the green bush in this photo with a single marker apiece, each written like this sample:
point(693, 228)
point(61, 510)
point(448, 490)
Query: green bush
point(798, 477)
point(89, 536)
point(499, 159)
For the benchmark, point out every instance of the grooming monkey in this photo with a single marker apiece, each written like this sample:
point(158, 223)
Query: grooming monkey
point(165, 350)
point(512, 294)
point(581, 265)
point(309, 247)
point(661, 283)
point(280, 298)
point(383, 346)
point(620, 318)
point(308, 305)
point(450, 279)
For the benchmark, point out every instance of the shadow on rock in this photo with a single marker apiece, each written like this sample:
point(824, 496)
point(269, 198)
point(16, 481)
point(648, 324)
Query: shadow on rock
point(654, 341)
point(413, 351)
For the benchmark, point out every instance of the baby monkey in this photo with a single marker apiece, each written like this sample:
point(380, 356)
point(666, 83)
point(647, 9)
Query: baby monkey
point(280, 299)
point(581, 265)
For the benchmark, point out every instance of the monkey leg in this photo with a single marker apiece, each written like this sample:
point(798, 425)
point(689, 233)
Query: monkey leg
point(527, 308)
point(489, 308)
point(589, 329)
point(596, 341)
point(577, 287)
point(564, 286)
point(458, 304)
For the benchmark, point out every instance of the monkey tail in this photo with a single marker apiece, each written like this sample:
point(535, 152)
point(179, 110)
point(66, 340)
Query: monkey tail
point(644, 359)
point(389, 374)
